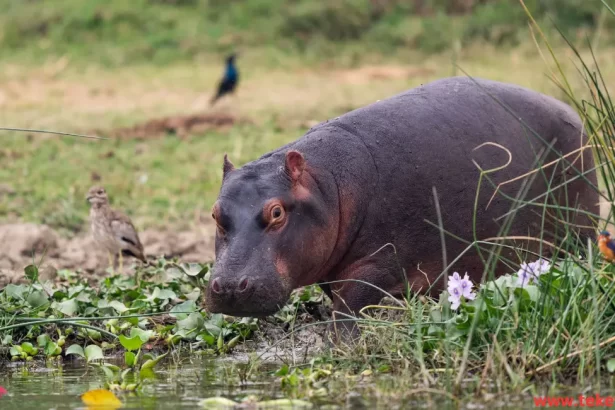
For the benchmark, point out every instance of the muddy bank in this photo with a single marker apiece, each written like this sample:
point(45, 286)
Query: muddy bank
point(178, 125)
point(20, 241)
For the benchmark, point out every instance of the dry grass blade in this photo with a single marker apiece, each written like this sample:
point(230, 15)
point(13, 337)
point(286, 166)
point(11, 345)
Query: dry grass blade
point(53, 132)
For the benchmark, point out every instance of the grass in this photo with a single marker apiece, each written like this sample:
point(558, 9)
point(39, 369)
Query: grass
point(163, 31)
point(180, 177)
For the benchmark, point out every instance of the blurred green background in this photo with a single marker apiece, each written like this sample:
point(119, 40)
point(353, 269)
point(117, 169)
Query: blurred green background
point(118, 32)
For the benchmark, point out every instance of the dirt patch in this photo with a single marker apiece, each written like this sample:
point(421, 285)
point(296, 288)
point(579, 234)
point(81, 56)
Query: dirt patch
point(178, 125)
point(20, 241)
point(368, 74)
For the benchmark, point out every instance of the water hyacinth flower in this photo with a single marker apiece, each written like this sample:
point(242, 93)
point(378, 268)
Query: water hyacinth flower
point(458, 288)
point(529, 272)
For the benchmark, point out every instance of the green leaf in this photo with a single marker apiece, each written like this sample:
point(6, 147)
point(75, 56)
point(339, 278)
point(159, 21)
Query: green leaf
point(217, 319)
point(233, 342)
point(283, 371)
point(145, 335)
point(94, 334)
point(89, 311)
point(206, 337)
point(102, 304)
point(107, 371)
point(74, 290)
point(75, 349)
point(610, 365)
point(37, 299)
point(15, 350)
point(118, 306)
point(15, 291)
point(193, 322)
point(152, 362)
point(130, 359)
point(161, 294)
point(125, 373)
point(154, 295)
point(31, 272)
point(533, 293)
point(93, 352)
point(50, 348)
point(184, 309)
point(147, 374)
point(42, 340)
point(166, 294)
point(27, 347)
point(112, 367)
point(68, 307)
point(195, 270)
point(194, 294)
point(213, 329)
point(6, 340)
point(133, 343)
point(83, 297)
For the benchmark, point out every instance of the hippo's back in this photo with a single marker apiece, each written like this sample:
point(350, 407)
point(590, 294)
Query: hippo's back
point(428, 137)
point(457, 110)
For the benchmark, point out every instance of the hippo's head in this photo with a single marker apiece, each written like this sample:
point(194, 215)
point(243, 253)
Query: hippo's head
point(276, 230)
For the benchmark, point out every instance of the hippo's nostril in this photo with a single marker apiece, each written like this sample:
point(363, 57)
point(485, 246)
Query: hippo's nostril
point(243, 284)
point(215, 285)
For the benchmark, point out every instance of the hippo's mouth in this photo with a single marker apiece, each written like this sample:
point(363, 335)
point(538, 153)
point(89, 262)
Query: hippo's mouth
point(244, 312)
point(240, 310)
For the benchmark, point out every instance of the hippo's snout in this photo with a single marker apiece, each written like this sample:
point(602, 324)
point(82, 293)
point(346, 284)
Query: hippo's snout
point(228, 288)
point(246, 295)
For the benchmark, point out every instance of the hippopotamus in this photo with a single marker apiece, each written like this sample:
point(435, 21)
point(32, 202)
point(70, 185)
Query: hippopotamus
point(363, 204)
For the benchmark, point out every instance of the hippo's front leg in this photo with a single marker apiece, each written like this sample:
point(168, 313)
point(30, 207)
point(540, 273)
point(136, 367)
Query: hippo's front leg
point(350, 294)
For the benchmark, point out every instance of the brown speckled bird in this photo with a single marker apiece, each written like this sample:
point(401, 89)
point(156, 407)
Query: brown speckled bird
point(112, 229)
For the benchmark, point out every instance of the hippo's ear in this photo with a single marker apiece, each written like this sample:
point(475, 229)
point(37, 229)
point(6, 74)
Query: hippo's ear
point(295, 164)
point(227, 167)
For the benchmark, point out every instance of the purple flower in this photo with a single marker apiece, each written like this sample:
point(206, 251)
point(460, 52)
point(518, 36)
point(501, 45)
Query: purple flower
point(525, 274)
point(466, 287)
point(542, 266)
point(454, 298)
point(529, 272)
point(459, 287)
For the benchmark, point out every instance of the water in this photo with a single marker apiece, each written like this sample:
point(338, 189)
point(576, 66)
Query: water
point(178, 385)
point(182, 383)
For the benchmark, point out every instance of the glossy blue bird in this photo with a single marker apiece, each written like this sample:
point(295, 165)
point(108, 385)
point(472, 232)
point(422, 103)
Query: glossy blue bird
point(229, 82)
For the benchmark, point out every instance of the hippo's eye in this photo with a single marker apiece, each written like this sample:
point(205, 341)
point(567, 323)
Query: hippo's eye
point(276, 215)
point(273, 216)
